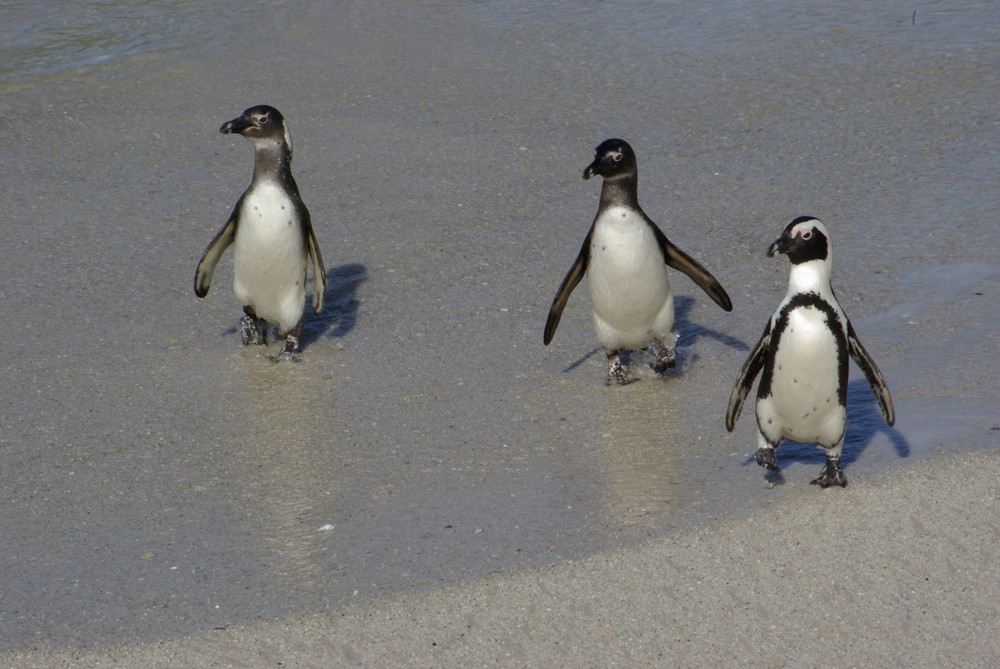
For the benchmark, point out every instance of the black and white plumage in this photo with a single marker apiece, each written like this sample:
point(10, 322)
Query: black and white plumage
point(625, 257)
point(803, 356)
point(272, 232)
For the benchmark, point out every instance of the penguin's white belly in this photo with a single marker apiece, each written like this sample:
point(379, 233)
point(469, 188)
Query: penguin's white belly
point(627, 279)
point(270, 258)
point(805, 384)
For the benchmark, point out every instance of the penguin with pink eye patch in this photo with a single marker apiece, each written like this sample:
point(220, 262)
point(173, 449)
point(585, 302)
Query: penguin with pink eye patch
point(803, 356)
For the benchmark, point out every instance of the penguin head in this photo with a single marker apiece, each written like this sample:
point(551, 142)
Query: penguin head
point(259, 124)
point(804, 239)
point(613, 159)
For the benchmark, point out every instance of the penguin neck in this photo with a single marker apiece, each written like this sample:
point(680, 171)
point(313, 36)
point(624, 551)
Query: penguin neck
point(810, 277)
point(623, 191)
point(273, 162)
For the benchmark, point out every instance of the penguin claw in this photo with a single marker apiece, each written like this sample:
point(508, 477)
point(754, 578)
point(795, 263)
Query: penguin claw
point(765, 458)
point(830, 475)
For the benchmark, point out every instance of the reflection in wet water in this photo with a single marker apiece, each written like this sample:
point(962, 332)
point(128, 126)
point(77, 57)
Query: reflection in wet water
point(639, 457)
point(283, 475)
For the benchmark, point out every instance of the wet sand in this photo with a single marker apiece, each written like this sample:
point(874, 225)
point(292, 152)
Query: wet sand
point(431, 470)
point(899, 572)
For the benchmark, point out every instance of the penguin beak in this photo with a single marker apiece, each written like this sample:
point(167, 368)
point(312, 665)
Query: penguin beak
point(779, 245)
point(236, 126)
point(593, 168)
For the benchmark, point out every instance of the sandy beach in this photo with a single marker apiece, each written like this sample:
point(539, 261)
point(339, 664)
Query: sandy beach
point(899, 572)
point(431, 485)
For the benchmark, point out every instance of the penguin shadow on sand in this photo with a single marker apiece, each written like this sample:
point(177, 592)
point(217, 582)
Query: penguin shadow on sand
point(687, 332)
point(864, 422)
point(340, 304)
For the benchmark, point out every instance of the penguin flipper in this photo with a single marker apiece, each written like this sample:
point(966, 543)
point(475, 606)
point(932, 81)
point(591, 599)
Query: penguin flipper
point(573, 277)
point(744, 382)
point(319, 272)
point(682, 262)
point(214, 251)
point(872, 374)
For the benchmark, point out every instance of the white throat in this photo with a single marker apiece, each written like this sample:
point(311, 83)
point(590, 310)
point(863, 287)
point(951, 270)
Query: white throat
point(812, 276)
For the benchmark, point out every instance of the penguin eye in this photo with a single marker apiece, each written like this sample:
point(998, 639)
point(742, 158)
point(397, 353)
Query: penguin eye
point(807, 235)
point(616, 156)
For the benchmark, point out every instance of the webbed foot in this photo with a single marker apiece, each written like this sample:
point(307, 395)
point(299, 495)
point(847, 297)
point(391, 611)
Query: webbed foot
point(765, 458)
point(292, 351)
point(831, 475)
point(253, 330)
point(619, 374)
point(666, 358)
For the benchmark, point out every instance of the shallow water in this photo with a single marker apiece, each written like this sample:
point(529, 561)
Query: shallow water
point(159, 480)
point(38, 38)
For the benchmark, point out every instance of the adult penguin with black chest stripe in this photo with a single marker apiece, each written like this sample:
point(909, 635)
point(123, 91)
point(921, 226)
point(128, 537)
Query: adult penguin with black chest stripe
point(272, 232)
point(625, 257)
point(803, 356)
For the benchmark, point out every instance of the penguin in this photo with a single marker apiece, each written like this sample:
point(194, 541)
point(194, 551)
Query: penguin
point(625, 257)
point(273, 237)
point(803, 359)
